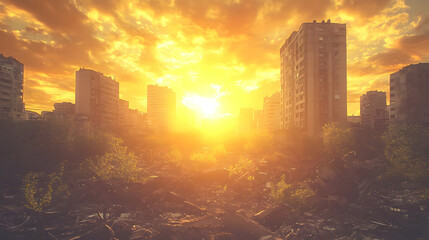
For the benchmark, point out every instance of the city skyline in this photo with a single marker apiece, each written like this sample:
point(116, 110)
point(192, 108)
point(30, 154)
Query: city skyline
point(224, 54)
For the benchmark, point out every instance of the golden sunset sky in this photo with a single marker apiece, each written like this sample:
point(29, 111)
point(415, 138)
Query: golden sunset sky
point(222, 53)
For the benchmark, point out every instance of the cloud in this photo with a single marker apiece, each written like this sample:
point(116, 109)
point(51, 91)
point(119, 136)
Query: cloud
point(363, 8)
point(404, 51)
point(193, 44)
point(58, 15)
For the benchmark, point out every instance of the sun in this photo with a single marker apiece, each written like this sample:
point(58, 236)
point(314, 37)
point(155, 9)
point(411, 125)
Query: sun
point(205, 107)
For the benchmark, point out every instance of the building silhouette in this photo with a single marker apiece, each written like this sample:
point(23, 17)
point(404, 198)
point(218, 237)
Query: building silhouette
point(258, 117)
point(11, 88)
point(409, 95)
point(32, 116)
point(373, 109)
point(161, 108)
point(271, 113)
point(97, 98)
point(314, 77)
point(64, 111)
point(246, 123)
point(123, 112)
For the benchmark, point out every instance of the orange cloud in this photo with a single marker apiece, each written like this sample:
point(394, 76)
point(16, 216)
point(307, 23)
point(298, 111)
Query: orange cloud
point(191, 45)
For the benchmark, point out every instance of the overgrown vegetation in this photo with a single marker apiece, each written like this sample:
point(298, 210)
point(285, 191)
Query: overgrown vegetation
point(407, 151)
point(39, 146)
point(298, 197)
point(244, 165)
point(39, 189)
point(116, 163)
point(337, 141)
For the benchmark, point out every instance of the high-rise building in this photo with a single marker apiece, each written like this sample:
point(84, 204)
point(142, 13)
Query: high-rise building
point(409, 94)
point(373, 109)
point(314, 77)
point(123, 111)
point(97, 97)
point(246, 122)
point(11, 88)
point(271, 113)
point(161, 108)
point(258, 117)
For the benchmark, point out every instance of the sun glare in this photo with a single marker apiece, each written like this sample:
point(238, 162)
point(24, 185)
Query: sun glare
point(205, 107)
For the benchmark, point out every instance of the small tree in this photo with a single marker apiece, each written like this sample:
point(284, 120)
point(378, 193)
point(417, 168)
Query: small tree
point(117, 163)
point(336, 140)
point(40, 188)
point(243, 166)
point(299, 196)
point(407, 150)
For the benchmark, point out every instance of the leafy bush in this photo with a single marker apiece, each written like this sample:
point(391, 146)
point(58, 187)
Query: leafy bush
point(117, 163)
point(300, 196)
point(175, 155)
point(39, 189)
point(203, 157)
point(243, 166)
point(407, 150)
point(39, 146)
point(337, 141)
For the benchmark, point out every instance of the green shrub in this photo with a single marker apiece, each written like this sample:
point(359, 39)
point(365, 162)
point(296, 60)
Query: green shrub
point(243, 166)
point(39, 189)
point(406, 148)
point(299, 196)
point(117, 163)
point(336, 140)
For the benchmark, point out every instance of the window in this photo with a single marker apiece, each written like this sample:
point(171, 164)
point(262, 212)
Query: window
point(337, 96)
point(321, 38)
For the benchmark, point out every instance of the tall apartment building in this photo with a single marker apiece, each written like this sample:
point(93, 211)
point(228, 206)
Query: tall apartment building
point(271, 113)
point(11, 88)
point(409, 94)
point(161, 108)
point(373, 109)
point(258, 117)
point(246, 123)
point(97, 97)
point(123, 111)
point(314, 77)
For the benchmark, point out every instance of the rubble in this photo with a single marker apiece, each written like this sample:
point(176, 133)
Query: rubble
point(169, 206)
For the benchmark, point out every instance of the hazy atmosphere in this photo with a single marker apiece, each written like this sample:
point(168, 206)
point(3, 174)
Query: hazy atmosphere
point(225, 52)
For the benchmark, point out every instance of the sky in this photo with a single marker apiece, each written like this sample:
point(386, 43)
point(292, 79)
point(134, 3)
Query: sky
point(223, 55)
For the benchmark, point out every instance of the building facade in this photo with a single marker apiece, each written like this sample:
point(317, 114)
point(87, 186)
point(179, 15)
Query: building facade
point(11, 88)
point(258, 117)
point(373, 109)
point(161, 108)
point(271, 113)
point(314, 77)
point(97, 98)
point(409, 95)
point(123, 111)
point(246, 124)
